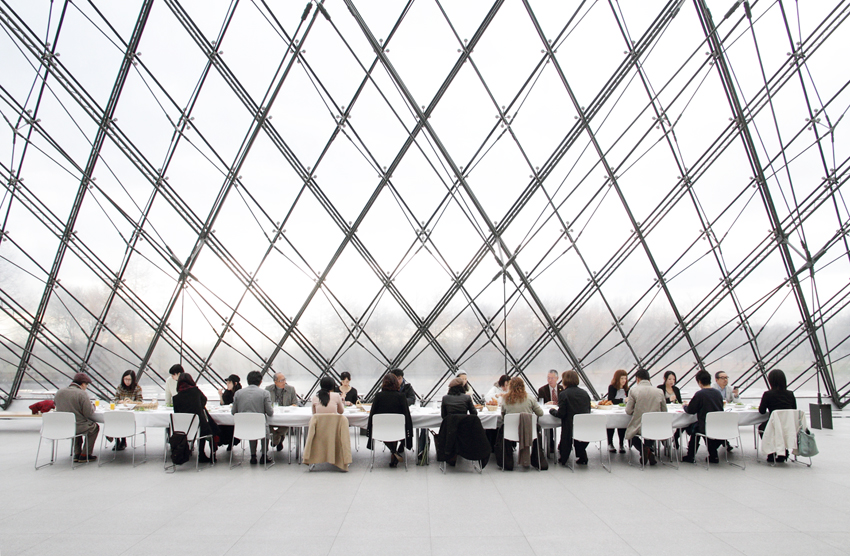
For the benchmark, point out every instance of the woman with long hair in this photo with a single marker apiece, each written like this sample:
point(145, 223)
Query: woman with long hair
point(390, 400)
point(232, 384)
point(128, 391)
point(517, 400)
point(326, 400)
point(190, 399)
point(778, 397)
point(618, 391)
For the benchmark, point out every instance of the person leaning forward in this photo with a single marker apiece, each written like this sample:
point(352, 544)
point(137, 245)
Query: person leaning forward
point(282, 394)
point(74, 399)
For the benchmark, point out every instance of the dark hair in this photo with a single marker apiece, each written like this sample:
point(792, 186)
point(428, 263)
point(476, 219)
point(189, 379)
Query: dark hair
point(504, 379)
point(717, 374)
point(390, 383)
point(132, 376)
point(458, 390)
point(327, 385)
point(185, 381)
point(237, 385)
point(343, 375)
point(398, 372)
point(703, 377)
point(667, 375)
point(255, 378)
point(516, 392)
point(176, 369)
point(615, 382)
point(776, 379)
point(569, 378)
point(642, 374)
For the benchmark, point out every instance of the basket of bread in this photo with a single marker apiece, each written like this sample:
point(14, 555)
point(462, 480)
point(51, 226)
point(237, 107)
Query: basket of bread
point(604, 404)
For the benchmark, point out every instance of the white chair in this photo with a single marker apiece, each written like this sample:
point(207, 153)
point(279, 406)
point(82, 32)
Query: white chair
point(799, 418)
point(252, 426)
point(188, 423)
point(121, 424)
point(723, 425)
point(57, 426)
point(588, 427)
point(654, 427)
point(388, 427)
point(510, 431)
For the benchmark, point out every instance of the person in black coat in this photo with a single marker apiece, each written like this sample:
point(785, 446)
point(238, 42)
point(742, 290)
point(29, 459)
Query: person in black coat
point(459, 436)
point(404, 387)
point(618, 390)
point(190, 399)
point(225, 397)
point(390, 400)
point(778, 397)
point(457, 401)
point(346, 390)
point(671, 395)
point(706, 400)
point(571, 402)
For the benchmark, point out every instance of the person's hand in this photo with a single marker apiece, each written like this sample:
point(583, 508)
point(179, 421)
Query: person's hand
point(348, 403)
point(735, 391)
point(220, 391)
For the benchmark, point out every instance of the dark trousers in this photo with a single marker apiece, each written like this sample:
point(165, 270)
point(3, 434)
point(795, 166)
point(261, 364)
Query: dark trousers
point(91, 430)
point(693, 444)
point(620, 432)
point(637, 444)
point(566, 446)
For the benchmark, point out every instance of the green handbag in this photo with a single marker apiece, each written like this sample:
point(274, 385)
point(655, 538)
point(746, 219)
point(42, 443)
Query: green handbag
point(806, 445)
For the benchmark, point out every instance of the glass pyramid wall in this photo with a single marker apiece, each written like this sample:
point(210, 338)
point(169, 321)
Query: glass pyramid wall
point(500, 187)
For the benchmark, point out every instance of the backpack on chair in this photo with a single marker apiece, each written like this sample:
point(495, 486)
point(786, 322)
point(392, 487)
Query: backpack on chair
point(181, 450)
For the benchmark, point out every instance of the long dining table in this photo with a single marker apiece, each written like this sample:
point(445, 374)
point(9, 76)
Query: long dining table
point(423, 417)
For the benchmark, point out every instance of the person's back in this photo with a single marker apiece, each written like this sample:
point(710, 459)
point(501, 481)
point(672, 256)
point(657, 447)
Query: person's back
point(704, 401)
point(456, 402)
point(74, 399)
point(643, 398)
point(252, 399)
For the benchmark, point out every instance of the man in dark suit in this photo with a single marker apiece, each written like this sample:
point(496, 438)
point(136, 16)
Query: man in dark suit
point(406, 388)
point(549, 394)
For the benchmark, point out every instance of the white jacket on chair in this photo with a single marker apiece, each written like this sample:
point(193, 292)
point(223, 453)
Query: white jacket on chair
point(780, 434)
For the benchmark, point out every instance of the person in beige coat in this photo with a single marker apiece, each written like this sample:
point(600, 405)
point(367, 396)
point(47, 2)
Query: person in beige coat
point(643, 398)
point(74, 399)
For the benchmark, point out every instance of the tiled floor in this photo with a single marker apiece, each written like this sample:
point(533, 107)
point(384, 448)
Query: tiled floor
point(116, 509)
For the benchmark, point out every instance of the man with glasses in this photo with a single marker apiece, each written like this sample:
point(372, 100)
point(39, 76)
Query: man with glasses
point(721, 383)
point(730, 395)
point(283, 395)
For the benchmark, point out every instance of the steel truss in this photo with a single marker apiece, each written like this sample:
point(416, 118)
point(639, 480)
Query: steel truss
point(567, 180)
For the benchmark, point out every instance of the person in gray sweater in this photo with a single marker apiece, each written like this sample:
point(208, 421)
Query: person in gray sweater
point(253, 399)
point(74, 399)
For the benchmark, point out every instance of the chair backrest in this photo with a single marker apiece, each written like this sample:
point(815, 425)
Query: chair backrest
point(182, 422)
point(659, 425)
point(722, 425)
point(590, 427)
point(388, 427)
point(58, 425)
point(119, 424)
point(797, 415)
point(249, 426)
point(511, 426)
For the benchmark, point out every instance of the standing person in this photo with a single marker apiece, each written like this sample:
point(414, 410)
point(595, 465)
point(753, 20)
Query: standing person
point(571, 402)
point(74, 399)
point(348, 392)
point(391, 400)
point(643, 399)
point(778, 397)
point(282, 394)
point(253, 399)
point(190, 399)
point(706, 400)
point(517, 400)
point(126, 392)
point(405, 387)
point(171, 382)
point(232, 384)
point(618, 391)
point(326, 400)
point(721, 384)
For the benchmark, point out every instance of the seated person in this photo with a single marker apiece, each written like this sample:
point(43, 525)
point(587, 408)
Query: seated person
point(643, 398)
point(283, 395)
point(190, 399)
point(74, 399)
point(499, 389)
point(467, 387)
point(517, 400)
point(706, 400)
point(127, 392)
point(405, 387)
point(253, 399)
point(457, 401)
point(391, 400)
point(721, 384)
point(171, 382)
point(778, 397)
point(671, 395)
point(618, 391)
point(326, 400)
point(571, 402)
point(232, 385)
point(346, 390)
